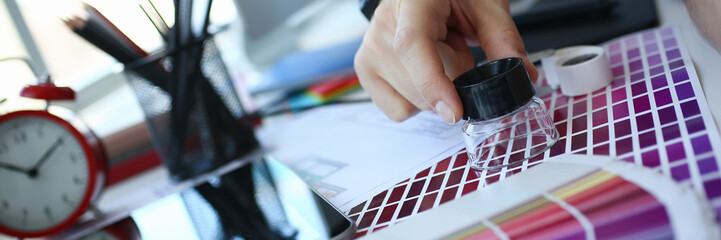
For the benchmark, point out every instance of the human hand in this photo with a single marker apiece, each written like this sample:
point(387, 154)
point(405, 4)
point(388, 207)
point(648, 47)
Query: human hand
point(414, 48)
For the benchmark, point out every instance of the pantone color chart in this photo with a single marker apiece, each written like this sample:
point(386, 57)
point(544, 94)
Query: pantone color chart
point(608, 206)
point(653, 114)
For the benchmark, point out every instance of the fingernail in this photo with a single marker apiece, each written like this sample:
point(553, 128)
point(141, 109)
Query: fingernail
point(446, 113)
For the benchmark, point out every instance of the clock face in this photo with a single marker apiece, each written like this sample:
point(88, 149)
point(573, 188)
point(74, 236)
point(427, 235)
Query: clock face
point(44, 174)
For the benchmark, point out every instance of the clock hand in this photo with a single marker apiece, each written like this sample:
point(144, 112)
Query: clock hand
point(34, 171)
point(13, 168)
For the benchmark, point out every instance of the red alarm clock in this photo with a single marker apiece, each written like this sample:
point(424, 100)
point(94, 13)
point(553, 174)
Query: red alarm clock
point(51, 168)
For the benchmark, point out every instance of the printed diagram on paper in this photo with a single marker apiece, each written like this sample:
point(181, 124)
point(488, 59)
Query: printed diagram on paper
point(351, 152)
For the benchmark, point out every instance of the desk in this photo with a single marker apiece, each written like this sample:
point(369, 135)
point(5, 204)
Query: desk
point(671, 12)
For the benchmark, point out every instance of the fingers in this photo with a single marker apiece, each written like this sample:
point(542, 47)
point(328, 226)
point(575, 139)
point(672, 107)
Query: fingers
point(496, 32)
point(383, 95)
point(421, 23)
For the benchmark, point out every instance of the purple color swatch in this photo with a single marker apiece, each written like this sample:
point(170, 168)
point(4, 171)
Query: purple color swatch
point(638, 88)
point(644, 122)
point(600, 135)
point(701, 144)
point(667, 115)
point(659, 81)
point(675, 64)
point(679, 75)
point(656, 70)
point(690, 109)
point(654, 60)
point(684, 91)
point(675, 151)
point(669, 43)
point(641, 104)
point(647, 139)
point(695, 125)
point(620, 110)
point(680, 173)
point(671, 132)
point(673, 54)
point(651, 48)
point(662, 97)
point(633, 53)
point(707, 165)
point(635, 65)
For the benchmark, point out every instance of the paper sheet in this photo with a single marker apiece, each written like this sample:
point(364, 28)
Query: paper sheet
point(351, 152)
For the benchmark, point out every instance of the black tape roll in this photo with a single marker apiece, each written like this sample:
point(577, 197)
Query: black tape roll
point(494, 89)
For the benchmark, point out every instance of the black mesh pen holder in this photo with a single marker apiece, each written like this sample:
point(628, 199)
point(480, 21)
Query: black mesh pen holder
point(194, 115)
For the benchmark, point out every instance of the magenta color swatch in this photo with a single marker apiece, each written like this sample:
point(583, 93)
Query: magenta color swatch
point(561, 127)
point(560, 114)
point(615, 46)
point(647, 139)
point(679, 75)
point(579, 108)
point(633, 53)
point(600, 135)
point(654, 60)
point(579, 124)
point(618, 95)
point(684, 91)
point(651, 158)
point(601, 150)
point(635, 66)
point(675, 151)
point(667, 115)
point(638, 88)
point(600, 117)
point(637, 76)
point(662, 97)
point(616, 58)
point(598, 101)
point(623, 146)
point(578, 141)
point(622, 128)
point(690, 109)
point(617, 71)
point(618, 82)
point(641, 104)
point(644, 122)
point(620, 110)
